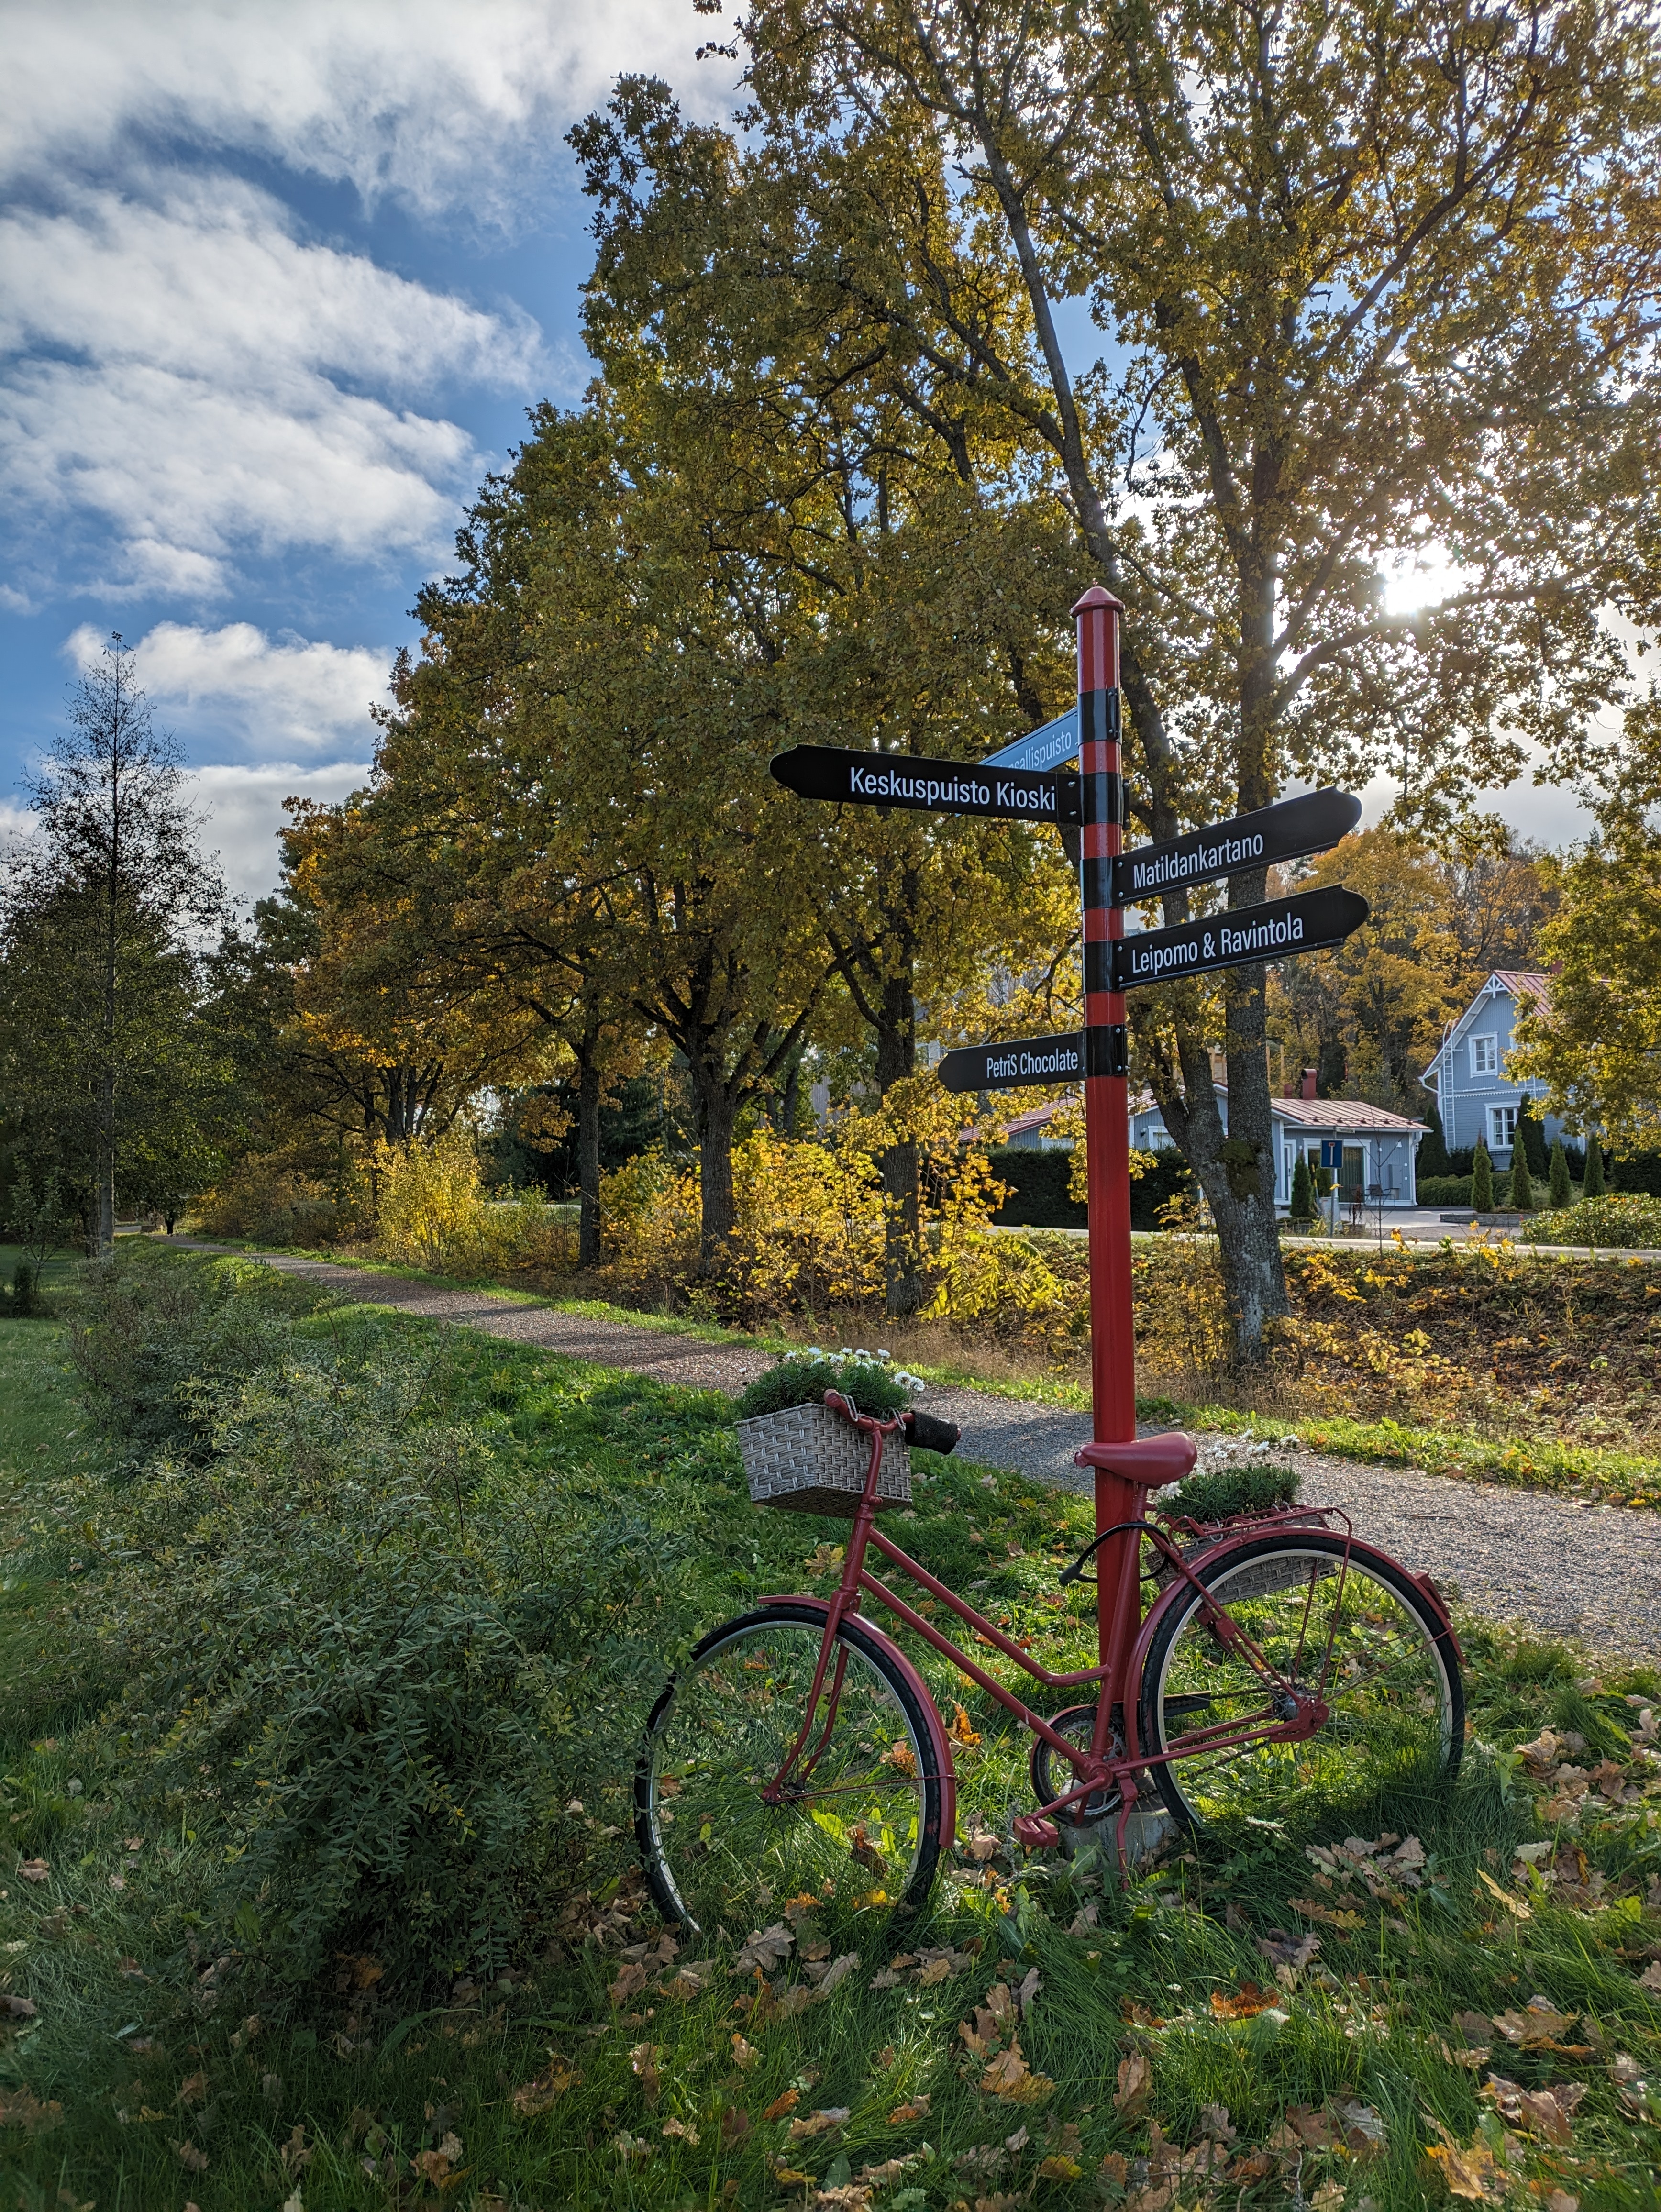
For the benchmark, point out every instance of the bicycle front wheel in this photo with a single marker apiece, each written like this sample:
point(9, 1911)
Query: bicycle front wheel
point(1357, 1633)
point(856, 1822)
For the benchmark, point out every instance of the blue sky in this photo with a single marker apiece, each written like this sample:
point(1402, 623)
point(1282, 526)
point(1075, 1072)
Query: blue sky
point(277, 286)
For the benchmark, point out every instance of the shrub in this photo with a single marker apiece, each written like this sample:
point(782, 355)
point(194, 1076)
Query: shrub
point(1444, 1190)
point(803, 1378)
point(1615, 1220)
point(1593, 1186)
point(432, 1214)
point(1302, 1206)
point(1039, 1196)
point(1482, 1179)
point(274, 1203)
point(377, 1645)
point(1560, 1191)
point(1522, 1180)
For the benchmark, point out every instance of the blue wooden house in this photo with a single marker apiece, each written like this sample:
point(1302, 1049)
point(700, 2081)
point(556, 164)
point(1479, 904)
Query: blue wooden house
point(1475, 1094)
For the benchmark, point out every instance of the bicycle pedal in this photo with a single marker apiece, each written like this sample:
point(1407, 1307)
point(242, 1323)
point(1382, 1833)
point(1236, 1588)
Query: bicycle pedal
point(1034, 1833)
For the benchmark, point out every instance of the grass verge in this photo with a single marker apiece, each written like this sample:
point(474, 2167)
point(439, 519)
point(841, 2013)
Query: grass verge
point(156, 2050)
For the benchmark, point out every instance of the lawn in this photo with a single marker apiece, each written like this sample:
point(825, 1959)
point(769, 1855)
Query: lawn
point(317, 1896)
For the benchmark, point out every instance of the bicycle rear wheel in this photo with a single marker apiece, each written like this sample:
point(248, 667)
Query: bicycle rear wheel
point(1360, 1634)
point(857, 1826)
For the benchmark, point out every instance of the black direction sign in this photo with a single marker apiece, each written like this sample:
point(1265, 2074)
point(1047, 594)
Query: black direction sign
point(1288, 831)
point(1305, 924)
point(1022, 1066)
point(936, 787)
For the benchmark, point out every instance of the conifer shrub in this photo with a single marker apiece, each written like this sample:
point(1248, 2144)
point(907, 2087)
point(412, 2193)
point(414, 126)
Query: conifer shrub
point(1482, 1179)
point(1594, 1185)
point(1562, 1191)
point(1302, 1206)
point(1522, 1182)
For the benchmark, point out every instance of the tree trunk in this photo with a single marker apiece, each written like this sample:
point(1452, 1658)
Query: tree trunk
point(587, 1161)
point(104, 1196)
point(905, 1283)
point(717, 1111)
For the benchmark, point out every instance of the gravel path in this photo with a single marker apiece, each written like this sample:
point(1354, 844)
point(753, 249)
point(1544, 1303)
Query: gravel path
point(1590, 1572)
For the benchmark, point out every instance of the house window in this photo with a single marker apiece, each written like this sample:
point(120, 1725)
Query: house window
point(1485, 1055)
point(1502, 1127)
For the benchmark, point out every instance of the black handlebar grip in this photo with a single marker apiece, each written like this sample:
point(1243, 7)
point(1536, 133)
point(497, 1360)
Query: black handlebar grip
point(929, 1434)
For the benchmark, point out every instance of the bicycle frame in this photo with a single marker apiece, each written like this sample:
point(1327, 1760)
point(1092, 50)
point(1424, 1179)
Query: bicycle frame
point(1292, 1714)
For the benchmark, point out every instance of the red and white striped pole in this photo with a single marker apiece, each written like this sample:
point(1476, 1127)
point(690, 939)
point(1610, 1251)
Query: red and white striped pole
point(1107, 1119)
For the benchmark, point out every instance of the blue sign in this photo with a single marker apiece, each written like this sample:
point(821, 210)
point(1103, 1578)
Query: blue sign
point(1332, 1153)
point(1047, 747)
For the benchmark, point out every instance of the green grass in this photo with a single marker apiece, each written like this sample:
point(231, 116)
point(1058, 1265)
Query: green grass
point(157, 2031)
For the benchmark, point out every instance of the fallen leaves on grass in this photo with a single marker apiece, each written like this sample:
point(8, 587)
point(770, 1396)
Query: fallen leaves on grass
point(21, 2108)
point(765, 1948)
point(643, 2061)
point(34, 1870)
point(781, 2104)
point(16, 2008)
point(681, 2131)
point(1009, 2075)
point(818, 2123)
point(543, 2090)
point(1540, 2027)
point(1470, 2171)
point(193, 2159)
point(1343, 2124)
point(1385, 1869)
point(734, 2126)
point(1331, 1916)
point(632, 1979)
point(1245, 2005)
point(1282, 1949)
point(1545, 2112)
point(915, 2108)
point(744, 2054)
point(1135, 2080)
point(1513, 1904)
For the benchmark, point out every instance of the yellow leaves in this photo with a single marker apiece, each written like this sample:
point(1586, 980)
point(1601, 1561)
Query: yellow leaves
point(1470, 2172)
point(1512, 1904)
point(961, 1734)
point(915, 2108)
point(781, 2104)
point(543, 2090)
point(823, 1558)
point(744, 2054)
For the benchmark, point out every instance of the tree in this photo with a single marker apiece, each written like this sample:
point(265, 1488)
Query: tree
point(110, 1070)
point(1371, 281)
point(1522, 1183)
point(1433, 1159)
point(1482, 1179)
point(1561, 1189)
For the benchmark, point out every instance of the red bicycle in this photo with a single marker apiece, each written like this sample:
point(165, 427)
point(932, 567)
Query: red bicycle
point(800, 1751)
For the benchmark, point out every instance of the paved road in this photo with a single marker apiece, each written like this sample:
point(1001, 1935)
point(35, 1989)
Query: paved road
point(1592, 1573)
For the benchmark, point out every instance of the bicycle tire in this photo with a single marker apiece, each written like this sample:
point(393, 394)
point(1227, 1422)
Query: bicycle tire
point(1397, 1724)
point(862, 1836)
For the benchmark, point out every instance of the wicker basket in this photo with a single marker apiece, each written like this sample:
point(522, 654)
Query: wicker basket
point(813, 1461)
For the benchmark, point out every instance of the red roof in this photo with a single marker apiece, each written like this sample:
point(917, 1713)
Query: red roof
point(1522, 984)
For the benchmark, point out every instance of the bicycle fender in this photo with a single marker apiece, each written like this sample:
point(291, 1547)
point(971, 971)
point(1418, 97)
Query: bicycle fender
point(948, 1772)
point(1177, 1589)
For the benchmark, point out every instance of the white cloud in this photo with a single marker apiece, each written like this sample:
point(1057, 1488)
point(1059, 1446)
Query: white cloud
point(198, 380)
point(449, 106)
point(244, 812)
point(271, 694)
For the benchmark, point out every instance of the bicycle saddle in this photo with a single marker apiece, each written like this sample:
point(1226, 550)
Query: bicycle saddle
point(1150, 1461)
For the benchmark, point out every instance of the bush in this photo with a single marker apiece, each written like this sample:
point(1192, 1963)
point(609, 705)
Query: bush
point(1617, 1220)
point(1039, 1197)
point(803, 1378)
point(378, 1643)
point(274, 1203)
point(1444, 1190)
point(1636, 1172)
point(23, 1301)
point(1522, 1178)
point(1560, 1192)
point(1482, 1179)
point(432, 1214)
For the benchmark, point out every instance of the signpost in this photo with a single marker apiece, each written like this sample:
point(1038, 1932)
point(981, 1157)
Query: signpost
point(1019, 1066)
point(1020, 783)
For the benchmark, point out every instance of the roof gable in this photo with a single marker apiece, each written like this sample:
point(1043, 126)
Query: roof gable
point(1518, 984)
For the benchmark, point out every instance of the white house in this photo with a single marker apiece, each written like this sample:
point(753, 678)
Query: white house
point(1474, 1094)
